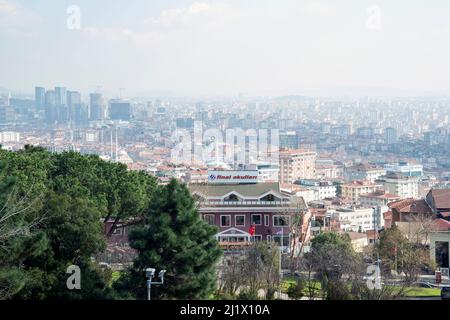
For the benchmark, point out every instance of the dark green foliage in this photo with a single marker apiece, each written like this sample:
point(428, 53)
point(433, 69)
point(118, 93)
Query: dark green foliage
point(296, 290)
point(174, 238)
point(332, 256)
point(61, 201)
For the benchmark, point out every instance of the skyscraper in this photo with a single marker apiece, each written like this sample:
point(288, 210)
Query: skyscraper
point(119, 110)
point(73, 98)
point(73, 103)
point(97, 107)
point(390, 136)
point(50, 106)
point(39, 97)
point(60, 96)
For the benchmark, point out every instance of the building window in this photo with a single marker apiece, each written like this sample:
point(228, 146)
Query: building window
point(118, 231)
point(232, 198)
point(225, 221)
point(266, 220)
point(209, 218)
point(239, 221)
point(280, 221)
point(256, 219)
point(257, 238)
point(283, 240)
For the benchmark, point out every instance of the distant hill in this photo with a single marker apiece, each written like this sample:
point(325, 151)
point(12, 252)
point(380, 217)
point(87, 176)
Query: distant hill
point(4, 90)
point(293, 98)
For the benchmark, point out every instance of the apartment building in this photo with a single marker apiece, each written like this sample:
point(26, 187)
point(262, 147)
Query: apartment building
point(296, 165)
point(355, 189)
point(363, 171)
point(399, 185)
point(353, 219)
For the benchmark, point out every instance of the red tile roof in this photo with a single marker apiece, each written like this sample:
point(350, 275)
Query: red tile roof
point(411, 206)
point(441, 225)
point(441, 198)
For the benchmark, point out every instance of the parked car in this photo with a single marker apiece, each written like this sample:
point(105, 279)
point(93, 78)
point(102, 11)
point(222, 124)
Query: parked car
point(445, 293)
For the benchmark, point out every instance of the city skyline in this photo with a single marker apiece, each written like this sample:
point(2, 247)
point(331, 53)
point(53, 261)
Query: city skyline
point(224, 48)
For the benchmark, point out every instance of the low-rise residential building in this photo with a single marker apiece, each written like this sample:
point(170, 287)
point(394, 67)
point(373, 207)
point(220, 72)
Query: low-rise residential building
point(405, 169)
point(402, 186)
point(407, 210)
point(363, 171)
point(357, 219)
point(328, 171)
point(323, 189)
point(308, 195)
point(355, 189)
point(358, 240)
point(377, 198)
point(197, 176)
point(439, 200)
point(439, 245)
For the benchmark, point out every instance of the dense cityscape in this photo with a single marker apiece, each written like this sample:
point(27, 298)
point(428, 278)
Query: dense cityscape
point(351, 165)
point(262, 153)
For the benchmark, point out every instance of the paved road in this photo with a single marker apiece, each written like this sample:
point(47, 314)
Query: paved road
point(424, 298)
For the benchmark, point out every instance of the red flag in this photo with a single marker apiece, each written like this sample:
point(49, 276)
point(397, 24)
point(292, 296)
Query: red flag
point(252, 230)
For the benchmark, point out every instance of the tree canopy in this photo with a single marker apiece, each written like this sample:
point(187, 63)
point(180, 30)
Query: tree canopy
point(176, 239)
point(57, 203)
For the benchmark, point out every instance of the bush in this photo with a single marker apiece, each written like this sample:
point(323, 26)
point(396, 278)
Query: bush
point(338, 290)
point(248, 295)
point(295, 290)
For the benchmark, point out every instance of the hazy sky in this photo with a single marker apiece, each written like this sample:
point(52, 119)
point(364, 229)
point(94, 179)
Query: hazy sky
point(257, 47)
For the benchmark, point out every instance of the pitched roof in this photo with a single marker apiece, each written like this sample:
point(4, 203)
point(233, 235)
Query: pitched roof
point(364, 167)
point(441, 198)
point(411, 206)
point(380, 195)
point(441, 225)
point(246, 190)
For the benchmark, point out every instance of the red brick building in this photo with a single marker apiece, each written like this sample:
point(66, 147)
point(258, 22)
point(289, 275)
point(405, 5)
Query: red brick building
point(235, 208)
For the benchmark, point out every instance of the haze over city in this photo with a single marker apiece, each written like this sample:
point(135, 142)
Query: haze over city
point(203, 48)
point(210, 151)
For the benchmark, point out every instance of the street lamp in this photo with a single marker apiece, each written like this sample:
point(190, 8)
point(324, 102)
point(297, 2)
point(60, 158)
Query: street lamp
point(150, 274)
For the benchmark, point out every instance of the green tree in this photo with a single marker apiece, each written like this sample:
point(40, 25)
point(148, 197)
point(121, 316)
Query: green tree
point(65, 197)
point(176, 239)
point(402, 254)
point(332, 257)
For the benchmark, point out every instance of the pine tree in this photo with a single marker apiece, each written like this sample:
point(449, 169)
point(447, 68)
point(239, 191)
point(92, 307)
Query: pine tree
point(176, 239)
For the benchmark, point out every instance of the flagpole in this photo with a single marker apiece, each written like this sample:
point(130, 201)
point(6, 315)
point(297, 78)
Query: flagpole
point(281, 272)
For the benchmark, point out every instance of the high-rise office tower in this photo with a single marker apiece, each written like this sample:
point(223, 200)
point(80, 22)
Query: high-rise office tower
point(60, 96)
point(97, 107)
point(50, 98)
point(39, 97)
point(50, 109)
point(119, 110)
point(73, 103)
point(390, 136)
point(73, 98)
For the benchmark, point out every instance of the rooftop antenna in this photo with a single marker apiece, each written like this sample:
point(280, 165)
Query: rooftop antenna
point(112, 152)
point(117, 148)
point(120, 92)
